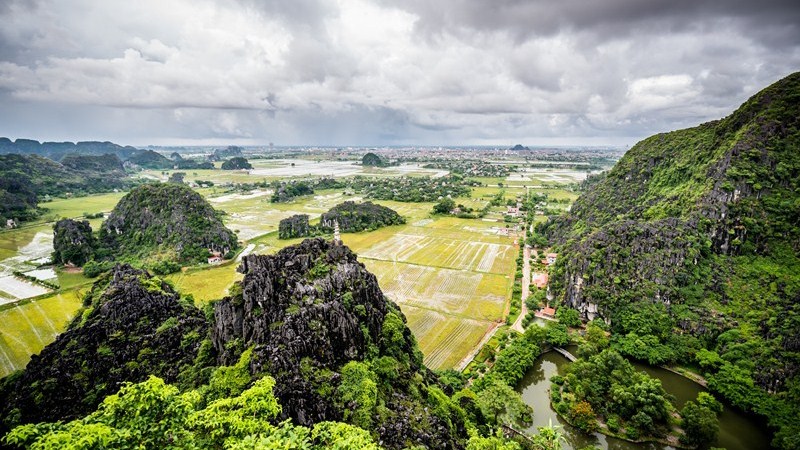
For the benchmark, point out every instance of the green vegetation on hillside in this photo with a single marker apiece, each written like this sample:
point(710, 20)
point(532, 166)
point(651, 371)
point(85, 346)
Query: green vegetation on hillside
point(352, 217)
point(73, 242)
point(236, 163)
point(373, 160)
point(690, 246)
point(26, 180)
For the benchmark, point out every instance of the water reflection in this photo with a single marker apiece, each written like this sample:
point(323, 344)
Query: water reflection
point(737, 431)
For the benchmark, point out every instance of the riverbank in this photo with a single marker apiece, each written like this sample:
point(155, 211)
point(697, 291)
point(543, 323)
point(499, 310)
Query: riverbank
point(672, 439)
point(737, 430)
point(688, 374)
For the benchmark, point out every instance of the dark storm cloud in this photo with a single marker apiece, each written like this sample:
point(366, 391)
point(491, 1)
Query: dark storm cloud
point(606, 19)
point(360, 71)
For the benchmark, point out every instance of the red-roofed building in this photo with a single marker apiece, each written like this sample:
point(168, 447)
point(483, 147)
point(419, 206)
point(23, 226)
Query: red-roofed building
point(216, 258)
point(548, 312)
point(539, 279)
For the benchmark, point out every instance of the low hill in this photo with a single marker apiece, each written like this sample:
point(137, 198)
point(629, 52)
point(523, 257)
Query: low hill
point(165, 221)
point(102, 163)
point(149, 159)
point(236, 163)
point(690, 247)
point(354, 217)
point(373, 160)
point(228, 152)
point(73, 242)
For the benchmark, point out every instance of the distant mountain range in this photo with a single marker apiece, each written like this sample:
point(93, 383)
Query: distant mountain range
point(57, 150)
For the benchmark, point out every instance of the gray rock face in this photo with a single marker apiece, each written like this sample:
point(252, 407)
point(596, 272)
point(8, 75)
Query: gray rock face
point(312, 301)
point(309, 310)
point(133, 326)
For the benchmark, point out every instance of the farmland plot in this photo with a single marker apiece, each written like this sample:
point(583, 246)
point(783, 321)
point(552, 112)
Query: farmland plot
point(451, 277)
point(443, 252)
point(444, 340)
point(25, 329)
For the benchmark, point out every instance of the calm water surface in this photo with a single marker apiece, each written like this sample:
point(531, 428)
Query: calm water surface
point(737, 431)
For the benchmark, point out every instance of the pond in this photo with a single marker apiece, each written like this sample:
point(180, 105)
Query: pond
point(737, 431)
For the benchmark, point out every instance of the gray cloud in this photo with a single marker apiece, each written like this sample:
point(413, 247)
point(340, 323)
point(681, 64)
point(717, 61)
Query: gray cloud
point(364, 72)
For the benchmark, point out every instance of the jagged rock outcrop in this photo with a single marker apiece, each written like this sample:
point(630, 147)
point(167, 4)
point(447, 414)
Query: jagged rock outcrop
point(309, 310)
point(73, 242)
point(133, 325)
point(168, 219)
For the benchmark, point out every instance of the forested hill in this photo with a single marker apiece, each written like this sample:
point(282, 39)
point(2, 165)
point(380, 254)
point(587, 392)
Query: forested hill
point(690, 246)
point(57, 150)
point(167, 220)
point(26, 179)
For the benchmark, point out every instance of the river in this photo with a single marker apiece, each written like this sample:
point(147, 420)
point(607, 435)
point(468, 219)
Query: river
point(737, 431)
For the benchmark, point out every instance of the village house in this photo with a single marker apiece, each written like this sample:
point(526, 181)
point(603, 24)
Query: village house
point(215, 258)
point(548, 312)
point(539, 279)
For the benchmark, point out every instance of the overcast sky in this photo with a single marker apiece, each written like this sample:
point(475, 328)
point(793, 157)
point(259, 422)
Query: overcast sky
point(352, 72)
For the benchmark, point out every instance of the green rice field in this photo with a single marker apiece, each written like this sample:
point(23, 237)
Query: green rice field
point(27, 327)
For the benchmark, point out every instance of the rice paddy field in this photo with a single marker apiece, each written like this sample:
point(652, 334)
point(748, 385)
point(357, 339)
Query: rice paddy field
point(27, 327)
point(451, 277)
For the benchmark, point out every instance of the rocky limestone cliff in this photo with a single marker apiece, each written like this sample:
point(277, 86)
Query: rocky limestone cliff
point(646, 230)
point(133, 325)
point(73, 242)
point(166, 218)
point(690, 248)
point(309, 310)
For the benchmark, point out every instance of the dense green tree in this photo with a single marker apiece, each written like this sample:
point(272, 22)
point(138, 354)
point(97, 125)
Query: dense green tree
point(444, 206)
point(611, 385)
point(699, 423)
point(568, 316)
point(358, 391)
point(154, 415)
point(500, 402)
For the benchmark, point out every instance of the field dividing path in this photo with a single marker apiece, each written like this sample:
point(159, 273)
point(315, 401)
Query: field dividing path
point(526, 283)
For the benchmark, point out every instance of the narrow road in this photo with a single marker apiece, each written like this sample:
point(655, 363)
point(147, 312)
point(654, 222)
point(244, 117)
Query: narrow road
point(526, 283)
